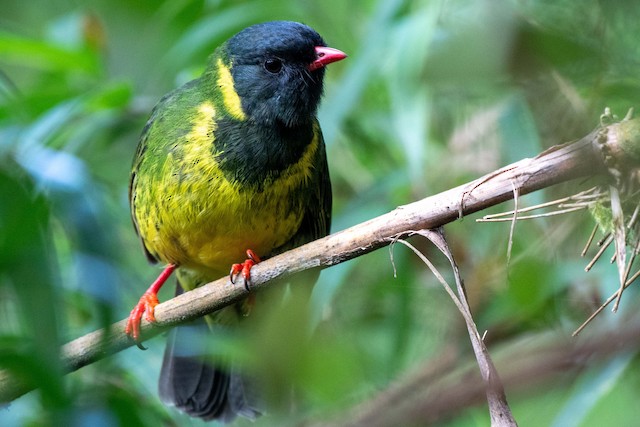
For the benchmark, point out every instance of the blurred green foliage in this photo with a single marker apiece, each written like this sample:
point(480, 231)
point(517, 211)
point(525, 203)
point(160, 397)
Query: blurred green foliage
point(434, 93)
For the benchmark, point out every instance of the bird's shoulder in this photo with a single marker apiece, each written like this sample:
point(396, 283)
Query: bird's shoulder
point(173, 115)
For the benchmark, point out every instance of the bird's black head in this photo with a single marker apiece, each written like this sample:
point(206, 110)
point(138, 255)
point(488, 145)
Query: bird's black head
point(278, 69)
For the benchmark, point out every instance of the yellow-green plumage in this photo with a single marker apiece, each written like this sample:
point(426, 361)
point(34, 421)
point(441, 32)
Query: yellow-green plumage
point(187, 211)
point(232, 161)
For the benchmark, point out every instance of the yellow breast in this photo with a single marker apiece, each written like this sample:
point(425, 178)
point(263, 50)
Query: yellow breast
point(191, 215)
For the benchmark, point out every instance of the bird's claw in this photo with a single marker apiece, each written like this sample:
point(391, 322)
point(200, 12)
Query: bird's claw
point(244, 269)
point(146, 306)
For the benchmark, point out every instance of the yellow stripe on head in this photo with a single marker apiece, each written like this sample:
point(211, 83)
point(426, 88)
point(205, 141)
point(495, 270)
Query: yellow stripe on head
point(229, 95)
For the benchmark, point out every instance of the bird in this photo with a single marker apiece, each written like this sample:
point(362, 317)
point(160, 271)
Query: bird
point(231, 166)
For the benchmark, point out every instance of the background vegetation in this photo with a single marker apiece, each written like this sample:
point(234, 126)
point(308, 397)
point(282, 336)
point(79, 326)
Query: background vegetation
point(434, 93)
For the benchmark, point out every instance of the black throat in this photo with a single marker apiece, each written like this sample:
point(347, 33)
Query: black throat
point(249, 153)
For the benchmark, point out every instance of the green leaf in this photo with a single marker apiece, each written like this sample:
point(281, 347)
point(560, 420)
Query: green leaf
point(46, 56)
point(27, 269)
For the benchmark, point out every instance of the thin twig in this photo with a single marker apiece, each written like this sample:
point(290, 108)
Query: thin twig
point(589, 241)
point(634, 217)
point(632, 258)
point(632, 278)
point(604, 240)
point(605, 304)
point(542, 215)
point(603, 247)
point(512, 228)
point(579, 205)
point(527, 209)
point(558, 202)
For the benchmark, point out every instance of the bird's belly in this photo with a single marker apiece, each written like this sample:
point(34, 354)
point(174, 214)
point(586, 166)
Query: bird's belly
point(223, 238)
point(208, 231)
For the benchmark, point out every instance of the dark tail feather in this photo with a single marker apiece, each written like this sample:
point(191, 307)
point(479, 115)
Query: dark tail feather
point(193, 385)
point(243, 397)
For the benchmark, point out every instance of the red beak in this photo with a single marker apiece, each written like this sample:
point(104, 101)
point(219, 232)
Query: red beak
point(325, 56)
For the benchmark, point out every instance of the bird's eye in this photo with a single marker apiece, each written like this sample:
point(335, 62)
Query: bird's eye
point(273, 65)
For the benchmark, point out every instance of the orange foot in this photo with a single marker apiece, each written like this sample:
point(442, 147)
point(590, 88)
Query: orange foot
point(146, 305)
point(244, 268)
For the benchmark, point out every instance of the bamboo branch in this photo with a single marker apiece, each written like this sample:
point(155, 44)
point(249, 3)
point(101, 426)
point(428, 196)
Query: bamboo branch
point(558, 164)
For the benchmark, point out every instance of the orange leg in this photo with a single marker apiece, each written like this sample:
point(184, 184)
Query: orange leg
point(146, 305)
point(244, 268)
